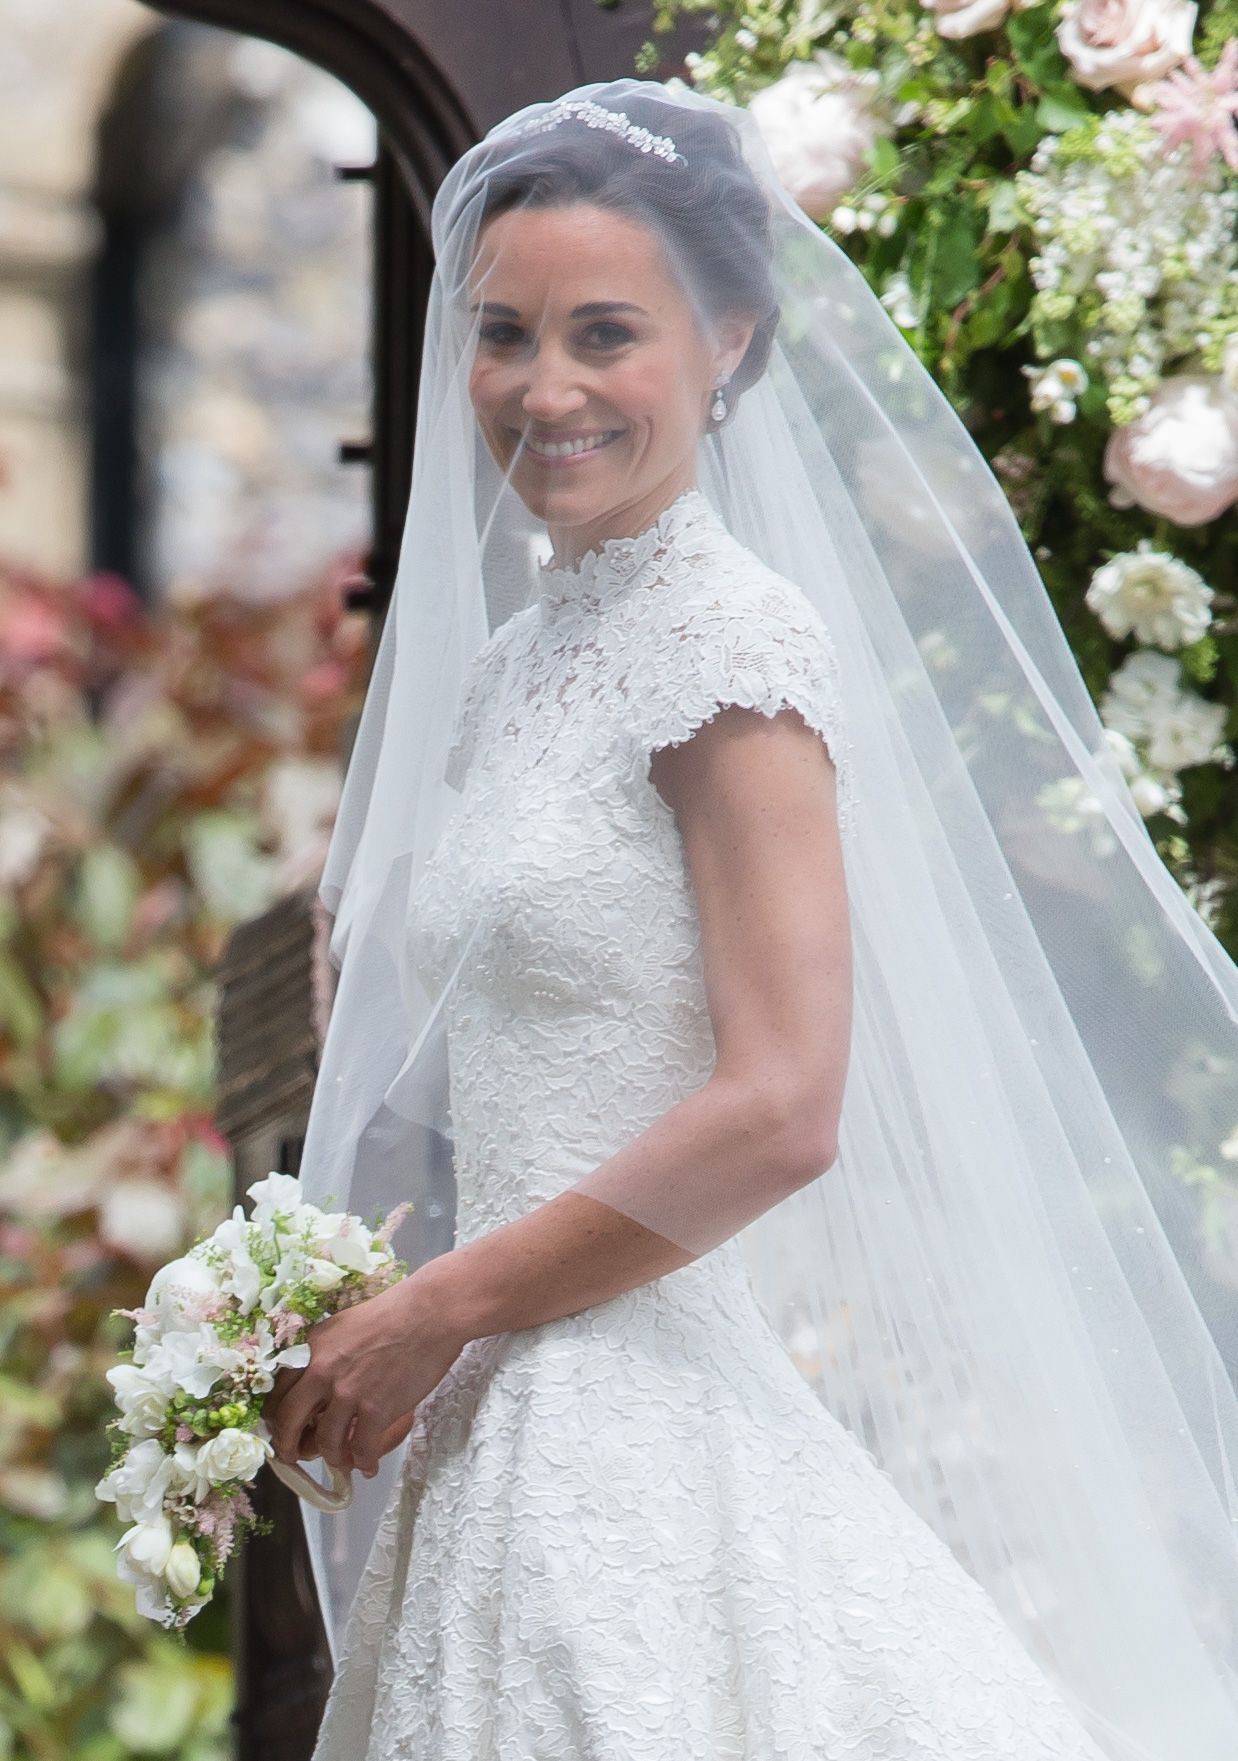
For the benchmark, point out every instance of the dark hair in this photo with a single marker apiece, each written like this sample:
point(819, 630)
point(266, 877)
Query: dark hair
point(709, 203)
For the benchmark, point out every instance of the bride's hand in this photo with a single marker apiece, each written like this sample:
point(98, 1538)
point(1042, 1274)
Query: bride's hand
point(370, 1367)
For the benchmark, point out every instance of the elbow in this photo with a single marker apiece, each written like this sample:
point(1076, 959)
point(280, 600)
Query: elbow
point(807, 1131)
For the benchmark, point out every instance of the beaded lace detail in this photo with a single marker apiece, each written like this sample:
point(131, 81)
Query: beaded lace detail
point(635, 1533)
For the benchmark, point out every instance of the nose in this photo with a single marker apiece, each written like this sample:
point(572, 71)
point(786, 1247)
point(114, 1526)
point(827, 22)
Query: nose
point(552, 390)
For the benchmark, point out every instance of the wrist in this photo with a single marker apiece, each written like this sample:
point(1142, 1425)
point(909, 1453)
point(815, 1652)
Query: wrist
point(442, 1294)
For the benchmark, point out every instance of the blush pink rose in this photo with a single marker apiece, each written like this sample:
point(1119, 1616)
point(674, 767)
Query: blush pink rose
point(817, 122)
point(1180, 458)
point(1123, 43)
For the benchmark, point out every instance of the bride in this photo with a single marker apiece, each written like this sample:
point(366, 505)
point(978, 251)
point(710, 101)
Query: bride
point(826, 1364)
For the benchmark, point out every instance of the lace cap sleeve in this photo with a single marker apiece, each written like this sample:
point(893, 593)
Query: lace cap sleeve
point(760, 645)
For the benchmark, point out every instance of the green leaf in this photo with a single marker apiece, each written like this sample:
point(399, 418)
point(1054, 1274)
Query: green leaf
point(1059, 110)
point(1035, 47)
point(956, 269)
point(1005, 210)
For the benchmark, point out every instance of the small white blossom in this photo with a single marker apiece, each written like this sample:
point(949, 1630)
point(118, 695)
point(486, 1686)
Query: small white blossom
point(1152, 595)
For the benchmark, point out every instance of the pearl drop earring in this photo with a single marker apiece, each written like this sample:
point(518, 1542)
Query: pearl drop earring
point(718, 412)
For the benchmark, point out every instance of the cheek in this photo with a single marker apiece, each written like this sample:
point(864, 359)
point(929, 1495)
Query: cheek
point(657, 391)
point(486, 388)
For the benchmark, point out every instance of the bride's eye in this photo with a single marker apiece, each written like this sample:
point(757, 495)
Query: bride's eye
point(490, 332)
point(619, 332)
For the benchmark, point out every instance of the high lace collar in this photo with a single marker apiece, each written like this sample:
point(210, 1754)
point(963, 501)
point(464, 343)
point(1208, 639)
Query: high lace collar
point(614, 565)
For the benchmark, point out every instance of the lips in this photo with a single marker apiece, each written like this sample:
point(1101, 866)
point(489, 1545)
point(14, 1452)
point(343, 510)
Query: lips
point(565, 449)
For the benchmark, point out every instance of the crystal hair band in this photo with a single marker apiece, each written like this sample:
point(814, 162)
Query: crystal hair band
point(596, 116)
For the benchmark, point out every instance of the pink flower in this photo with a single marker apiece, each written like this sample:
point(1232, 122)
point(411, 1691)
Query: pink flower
point(1124, 43)
point(1200, 107)
point(1179, 459)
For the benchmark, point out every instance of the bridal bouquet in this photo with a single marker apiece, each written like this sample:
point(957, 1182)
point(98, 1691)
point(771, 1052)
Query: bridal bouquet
point(215, 1327)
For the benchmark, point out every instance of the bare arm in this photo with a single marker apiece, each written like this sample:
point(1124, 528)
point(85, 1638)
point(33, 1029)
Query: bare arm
point(753, 798)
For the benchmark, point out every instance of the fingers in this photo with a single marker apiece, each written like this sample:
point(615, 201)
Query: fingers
point(301, 1405)
point(332, 1425)
point(273, 1399)
point(369, 1444)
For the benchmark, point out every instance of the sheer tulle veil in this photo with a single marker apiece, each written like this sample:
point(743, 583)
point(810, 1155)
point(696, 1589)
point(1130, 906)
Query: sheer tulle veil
point(1014, 1284)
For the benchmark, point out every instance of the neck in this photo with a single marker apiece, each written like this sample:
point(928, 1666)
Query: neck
point(575, 541)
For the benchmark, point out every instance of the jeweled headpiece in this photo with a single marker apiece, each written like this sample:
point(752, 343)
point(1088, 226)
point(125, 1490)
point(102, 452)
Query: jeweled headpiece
point(597, 116)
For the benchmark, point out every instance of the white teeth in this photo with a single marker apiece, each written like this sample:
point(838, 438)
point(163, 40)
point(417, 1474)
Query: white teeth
point(562, 448)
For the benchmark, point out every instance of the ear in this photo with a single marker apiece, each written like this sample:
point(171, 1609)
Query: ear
point(733, 334)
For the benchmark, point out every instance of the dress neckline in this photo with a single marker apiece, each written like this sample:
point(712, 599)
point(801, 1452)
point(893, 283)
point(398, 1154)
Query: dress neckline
point(614, 565)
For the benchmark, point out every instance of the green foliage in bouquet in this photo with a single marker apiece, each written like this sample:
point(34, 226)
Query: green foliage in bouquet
point(1044, 195)
point(163, 776)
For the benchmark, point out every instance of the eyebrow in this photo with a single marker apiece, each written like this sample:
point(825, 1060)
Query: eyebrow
point(592, 309)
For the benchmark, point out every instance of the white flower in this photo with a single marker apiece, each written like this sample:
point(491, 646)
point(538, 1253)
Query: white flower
point(143, 1402)
point(1139, 689)
point(1187, 732)
point(900, 301)
point(146, 1546)
point(1069, 806)
point(278, 1192)
point(1151, 594)
point(1178, 728)
point(183, 1569)
point(344, 1239)
point(1123, 43)
point(818, 123)
point(965, 18)
point(1128, 759)
point(192, 1361)
point(136, 1485)
point(232, 1455)
point(1157, 795)
point(1179, 459)
point(1056, 387)
point(239, 1275)
point(324, 1274)
point(187, 1277)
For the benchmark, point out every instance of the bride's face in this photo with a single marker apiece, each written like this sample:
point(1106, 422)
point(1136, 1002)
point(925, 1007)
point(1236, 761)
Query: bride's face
point(585, 337)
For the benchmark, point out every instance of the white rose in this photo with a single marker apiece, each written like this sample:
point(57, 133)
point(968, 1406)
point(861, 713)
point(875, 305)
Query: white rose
point(232, 1455)
point(183, 1569)
point(965, 18)
point(143, 1404)
point(817, 122)
point(147, 1545)
point(190, 1276)
point(1179, 458)
point(1123, 43)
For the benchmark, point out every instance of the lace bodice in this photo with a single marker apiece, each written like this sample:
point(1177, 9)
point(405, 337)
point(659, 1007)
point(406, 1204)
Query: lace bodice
point(560, 885)
point(634, 1532)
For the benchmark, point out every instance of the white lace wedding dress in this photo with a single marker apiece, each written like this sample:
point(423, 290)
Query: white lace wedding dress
point(636, 1534)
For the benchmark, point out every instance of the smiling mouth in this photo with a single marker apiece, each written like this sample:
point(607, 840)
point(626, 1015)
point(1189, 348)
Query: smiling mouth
point(571, 449)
